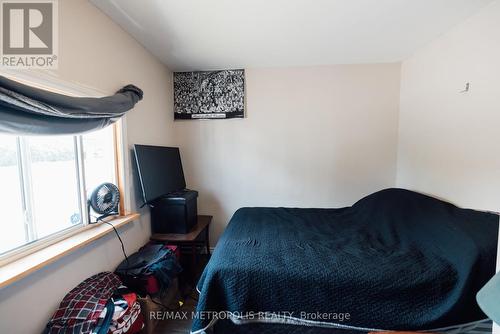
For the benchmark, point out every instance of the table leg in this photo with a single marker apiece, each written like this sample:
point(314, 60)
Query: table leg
point(193, 256)
point(207, 240)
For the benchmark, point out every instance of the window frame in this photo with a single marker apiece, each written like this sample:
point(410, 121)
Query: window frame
point(50, 83)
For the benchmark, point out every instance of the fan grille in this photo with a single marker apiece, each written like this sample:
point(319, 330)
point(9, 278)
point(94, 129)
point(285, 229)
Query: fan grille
point(105, 199)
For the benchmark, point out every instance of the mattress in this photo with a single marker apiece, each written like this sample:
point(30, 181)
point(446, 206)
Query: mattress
point(395, 260)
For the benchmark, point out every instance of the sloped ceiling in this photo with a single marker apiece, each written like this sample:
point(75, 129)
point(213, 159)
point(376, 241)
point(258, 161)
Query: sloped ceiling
point(216, 34)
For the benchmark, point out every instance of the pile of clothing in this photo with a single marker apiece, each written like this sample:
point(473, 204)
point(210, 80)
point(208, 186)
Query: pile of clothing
point(108, 303)
point(98, 305)
point(151, 270)
point(122, 313)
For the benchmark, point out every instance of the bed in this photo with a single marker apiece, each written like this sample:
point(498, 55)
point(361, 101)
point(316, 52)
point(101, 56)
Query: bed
point(395, 260)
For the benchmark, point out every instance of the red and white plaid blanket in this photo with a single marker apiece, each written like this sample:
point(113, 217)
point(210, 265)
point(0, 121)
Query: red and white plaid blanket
point(79, 311)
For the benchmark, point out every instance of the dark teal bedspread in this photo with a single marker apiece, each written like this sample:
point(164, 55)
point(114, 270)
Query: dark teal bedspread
point(394, 260)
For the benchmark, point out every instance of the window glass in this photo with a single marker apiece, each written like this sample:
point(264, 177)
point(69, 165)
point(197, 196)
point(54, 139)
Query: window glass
point(54, 184)
point(41, 184)
point(99, 158)
point(12, 231)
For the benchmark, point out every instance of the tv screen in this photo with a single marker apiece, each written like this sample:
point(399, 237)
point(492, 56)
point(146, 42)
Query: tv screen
point(160, 170)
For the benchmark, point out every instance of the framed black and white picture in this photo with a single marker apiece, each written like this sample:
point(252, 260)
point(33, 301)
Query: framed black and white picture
point(209, 94)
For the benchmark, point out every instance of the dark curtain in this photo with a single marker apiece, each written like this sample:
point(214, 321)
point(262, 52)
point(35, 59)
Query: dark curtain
point(26, 110)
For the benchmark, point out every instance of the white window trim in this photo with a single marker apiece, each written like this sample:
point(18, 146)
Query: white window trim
point(50, 81)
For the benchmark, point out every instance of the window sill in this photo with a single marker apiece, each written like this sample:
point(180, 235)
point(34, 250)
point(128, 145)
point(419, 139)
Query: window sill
point(28, 264)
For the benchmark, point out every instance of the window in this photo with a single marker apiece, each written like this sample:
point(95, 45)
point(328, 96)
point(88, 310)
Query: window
point(45, 182)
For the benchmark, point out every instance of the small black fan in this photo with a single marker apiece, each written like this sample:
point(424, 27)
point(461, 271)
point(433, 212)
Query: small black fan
point(104, 200)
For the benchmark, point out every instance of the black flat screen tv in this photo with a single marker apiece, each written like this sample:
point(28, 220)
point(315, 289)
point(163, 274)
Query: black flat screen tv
point(160, 171)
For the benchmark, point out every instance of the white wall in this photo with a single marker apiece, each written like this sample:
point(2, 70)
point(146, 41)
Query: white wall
point(94, 52)
point(313, 137)
point(449, 142)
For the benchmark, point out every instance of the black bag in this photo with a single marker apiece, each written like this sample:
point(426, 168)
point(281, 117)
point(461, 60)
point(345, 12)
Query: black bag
point(150, 270)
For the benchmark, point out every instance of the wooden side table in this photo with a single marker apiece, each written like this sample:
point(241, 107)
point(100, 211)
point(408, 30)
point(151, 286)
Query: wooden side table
point(197, 237)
